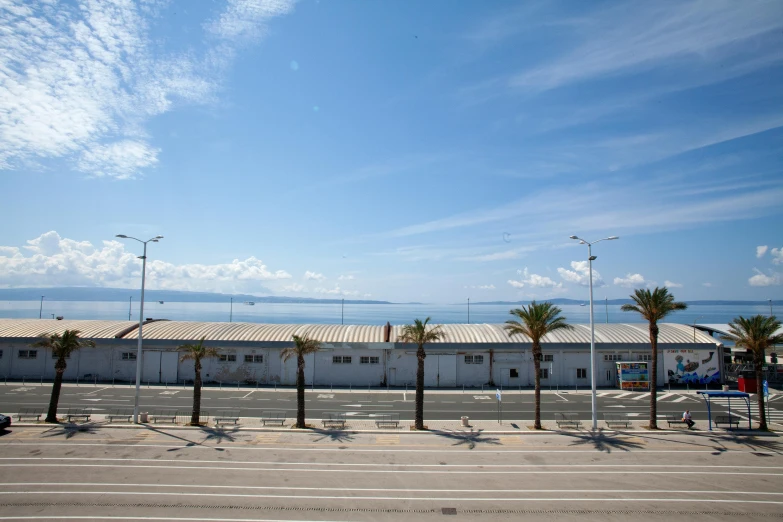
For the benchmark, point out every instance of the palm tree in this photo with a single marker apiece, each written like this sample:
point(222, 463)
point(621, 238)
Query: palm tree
point(196, 352)
point(302, 346)
point(537, 320)
point(756, 334)
point(419, 334)
point(653, 306)
point(62, 346)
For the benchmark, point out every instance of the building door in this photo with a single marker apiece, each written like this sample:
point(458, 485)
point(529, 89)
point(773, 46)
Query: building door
point(168, 366)
point(505, 375)
point(392, 376)
point(150, 367)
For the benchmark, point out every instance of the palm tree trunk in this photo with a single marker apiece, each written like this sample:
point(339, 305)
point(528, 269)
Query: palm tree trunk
point(300, 391)
point(419, 419)
point(654, 377)
point(537, 366)
point(196, 415)
point(51, 415)
point(758, 362)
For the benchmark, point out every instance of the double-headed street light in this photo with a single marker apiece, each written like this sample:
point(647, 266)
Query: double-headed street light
point(590, 259)
point(141, 319)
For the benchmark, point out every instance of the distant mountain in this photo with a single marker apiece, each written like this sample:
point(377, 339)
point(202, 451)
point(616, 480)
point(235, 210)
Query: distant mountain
point(123, 294)
point(562, 301)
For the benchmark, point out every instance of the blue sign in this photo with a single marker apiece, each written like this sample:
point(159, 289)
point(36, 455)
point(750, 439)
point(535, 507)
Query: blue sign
point(765, 386)
point(497, 395)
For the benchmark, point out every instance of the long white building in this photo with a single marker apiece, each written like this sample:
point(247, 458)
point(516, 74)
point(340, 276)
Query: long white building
point(359, 355)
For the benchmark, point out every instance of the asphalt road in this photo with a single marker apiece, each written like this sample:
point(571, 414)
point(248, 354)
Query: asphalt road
point(438, 405)
point(65, 472)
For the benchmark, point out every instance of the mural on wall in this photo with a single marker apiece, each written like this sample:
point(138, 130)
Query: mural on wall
point(633, 376)
point(691, 366)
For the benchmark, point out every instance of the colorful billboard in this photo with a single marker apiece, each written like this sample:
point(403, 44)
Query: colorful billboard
point(633, 376)
point(691, 366)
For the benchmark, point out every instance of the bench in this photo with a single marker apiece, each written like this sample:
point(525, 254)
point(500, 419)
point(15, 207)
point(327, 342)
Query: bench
point(77, 413)
point(614, 419)
point(224, 416)
point(160, 415)
point(120, 414)
point(275, 417)
point(675, 419)
point(731, 420)
point(29, 413)
point(336, 420)
point(185, 416)
point(567, 419)
point(387, 419)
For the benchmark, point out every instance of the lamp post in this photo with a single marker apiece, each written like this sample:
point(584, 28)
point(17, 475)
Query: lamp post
point(40, 310)
point(342, 310)
point(606, 301)
point(141, 320)
point(130, 307)
point(468, 310)
point(590, 259)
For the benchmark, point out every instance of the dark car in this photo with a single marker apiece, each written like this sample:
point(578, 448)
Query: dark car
point(5, 422)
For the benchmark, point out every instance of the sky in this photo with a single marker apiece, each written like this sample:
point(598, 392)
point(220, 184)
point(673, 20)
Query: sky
point(403, 151)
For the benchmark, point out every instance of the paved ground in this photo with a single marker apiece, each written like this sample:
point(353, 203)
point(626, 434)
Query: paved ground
point(517, 406)
point(146, 473)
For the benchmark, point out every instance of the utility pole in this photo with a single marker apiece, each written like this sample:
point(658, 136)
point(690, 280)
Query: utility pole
point(40, 310)
point(130, 306)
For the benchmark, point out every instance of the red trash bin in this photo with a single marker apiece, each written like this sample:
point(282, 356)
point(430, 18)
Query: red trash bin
point(747, 384)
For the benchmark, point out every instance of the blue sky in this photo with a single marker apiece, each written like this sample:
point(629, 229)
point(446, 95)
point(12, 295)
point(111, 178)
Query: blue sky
point(405, 151)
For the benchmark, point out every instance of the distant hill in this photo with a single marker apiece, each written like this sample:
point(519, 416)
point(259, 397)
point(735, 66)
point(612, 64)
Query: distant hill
point(123, 294)
point(563, 301)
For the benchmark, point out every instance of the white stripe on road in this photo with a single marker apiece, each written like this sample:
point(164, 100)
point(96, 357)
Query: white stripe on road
point(428, 472)
point(406, 490)
point(248, 395)
point(96, 391)
point(664, 396)
point(622, 395)
point(380, 464)
point(427, 499)
point(642, 396)
point(680, 399)
point(566, 400)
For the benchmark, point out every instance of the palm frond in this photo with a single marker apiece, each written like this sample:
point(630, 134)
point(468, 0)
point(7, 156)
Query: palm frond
point(536, 320)
point(757, 333)
point(303, 345)
point(653, 305)
point(421, 333)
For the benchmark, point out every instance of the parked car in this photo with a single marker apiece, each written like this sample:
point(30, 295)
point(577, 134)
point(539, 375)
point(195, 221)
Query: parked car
point(5, 422)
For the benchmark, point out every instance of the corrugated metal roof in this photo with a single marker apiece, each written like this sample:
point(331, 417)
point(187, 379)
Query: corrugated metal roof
point(337, 333)
point(89, 329)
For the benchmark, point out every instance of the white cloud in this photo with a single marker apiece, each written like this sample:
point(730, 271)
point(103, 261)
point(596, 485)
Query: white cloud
point(761, 250)
point(80, 80)
point(762, 279)
point(581, 274)
point(294, 287)
point(480, 287)
point(335, 291)
point(707, 285)
point(313, 276)
point(533, 281)
point(346, 278)
point(57, 261)
point(777, 256)
point(669, 284)
point(632, 281)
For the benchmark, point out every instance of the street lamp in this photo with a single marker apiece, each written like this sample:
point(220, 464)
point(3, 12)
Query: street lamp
point(590, 259)
point(141, 320)
point(40, 310)
point(468, 310)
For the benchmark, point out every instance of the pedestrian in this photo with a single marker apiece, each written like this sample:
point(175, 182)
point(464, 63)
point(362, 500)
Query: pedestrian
point(686, 417)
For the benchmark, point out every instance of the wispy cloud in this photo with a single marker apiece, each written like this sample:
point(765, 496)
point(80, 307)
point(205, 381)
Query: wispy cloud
point(761, 250)
point(533, 281)
point(580, 274)
point(633, 281)
point(313, 276)
point(80, 81)
point(670, 284)
point(769, 279)
point(628, 38)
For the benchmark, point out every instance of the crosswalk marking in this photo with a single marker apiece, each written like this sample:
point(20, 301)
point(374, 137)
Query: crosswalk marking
point(387, 439)
point(622, 395)
point(663, 397)
point(680, 399)
point(511, 440)
point(642, 396)
point(266, 438)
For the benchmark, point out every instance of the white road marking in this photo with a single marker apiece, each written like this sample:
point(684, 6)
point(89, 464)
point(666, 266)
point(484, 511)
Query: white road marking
point(326, 396)
point(642, 396)
point(406, 490)
point(390, 465)
point(96, 391)
point(564, 399)
point(481, 397)
point(680, 399)
point(170, 392)
point(425, 499)
point(248, 395)
point(622, 395)
point(664, 396)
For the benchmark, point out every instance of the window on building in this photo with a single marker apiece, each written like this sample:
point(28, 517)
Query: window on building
point(644, 357)
point(1, 354)
point(369, 360)
point(513, 373)
point(581, 373)
point(544, 373)
point(254, 358)
point(341, 359)
point(548, 357)
point(228, 358)
point(128, 356)
point(28, 354)
point(613, 357)
point(474, 359)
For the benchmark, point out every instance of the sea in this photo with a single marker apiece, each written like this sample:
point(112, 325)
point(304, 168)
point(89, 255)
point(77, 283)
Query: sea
point(373, 314)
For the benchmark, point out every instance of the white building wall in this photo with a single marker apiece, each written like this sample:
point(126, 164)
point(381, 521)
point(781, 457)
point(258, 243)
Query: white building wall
point(472, 374)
